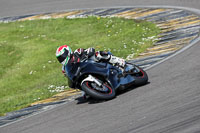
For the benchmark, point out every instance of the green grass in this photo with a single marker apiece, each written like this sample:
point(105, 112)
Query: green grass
point(29, 70)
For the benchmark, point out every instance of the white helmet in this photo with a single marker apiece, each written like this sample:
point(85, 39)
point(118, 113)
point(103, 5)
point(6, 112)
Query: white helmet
point(63, 54)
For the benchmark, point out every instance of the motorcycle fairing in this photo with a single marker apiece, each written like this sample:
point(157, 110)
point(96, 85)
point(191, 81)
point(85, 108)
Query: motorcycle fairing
point(109, 72)
point(105, 70)
point(77, 70)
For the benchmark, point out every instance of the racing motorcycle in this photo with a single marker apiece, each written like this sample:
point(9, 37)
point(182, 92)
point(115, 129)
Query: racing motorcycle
point(101, 80)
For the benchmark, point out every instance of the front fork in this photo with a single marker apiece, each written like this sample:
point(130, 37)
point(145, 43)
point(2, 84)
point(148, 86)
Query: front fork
point(93, 79)
point(89, 78)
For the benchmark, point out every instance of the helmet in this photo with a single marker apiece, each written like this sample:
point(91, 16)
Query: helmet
point(63, 54)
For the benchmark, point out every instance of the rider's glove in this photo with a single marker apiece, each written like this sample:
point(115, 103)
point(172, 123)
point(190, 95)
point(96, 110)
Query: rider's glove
point(63, 71)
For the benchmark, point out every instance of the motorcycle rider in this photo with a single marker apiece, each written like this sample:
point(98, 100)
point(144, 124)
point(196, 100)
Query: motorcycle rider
point(64, 54)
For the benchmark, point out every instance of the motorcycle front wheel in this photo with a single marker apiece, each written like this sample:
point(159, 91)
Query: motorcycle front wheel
point(103, 92)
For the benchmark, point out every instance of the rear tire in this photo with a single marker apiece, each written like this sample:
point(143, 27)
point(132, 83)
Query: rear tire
point(88, 88)
point(141, 78)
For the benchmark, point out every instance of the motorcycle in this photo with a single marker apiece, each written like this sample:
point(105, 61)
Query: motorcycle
point(101, 80)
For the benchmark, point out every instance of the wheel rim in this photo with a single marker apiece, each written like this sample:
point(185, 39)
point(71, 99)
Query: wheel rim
point(105, 89)
point(140, 74)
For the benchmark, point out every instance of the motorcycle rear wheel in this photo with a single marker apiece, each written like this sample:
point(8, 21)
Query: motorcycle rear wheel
point(141, 78)
point(105, 92)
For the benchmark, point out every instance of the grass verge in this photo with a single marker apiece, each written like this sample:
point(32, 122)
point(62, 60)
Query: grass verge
point(29, 70)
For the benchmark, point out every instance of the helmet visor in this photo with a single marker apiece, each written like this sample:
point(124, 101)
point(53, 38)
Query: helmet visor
point(63, 56)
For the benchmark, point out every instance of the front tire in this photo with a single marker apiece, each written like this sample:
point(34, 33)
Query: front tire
point(105, 92)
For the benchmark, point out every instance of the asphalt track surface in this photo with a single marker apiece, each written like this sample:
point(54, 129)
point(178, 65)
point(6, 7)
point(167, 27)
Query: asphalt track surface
point(26, 7)
point(169, 104)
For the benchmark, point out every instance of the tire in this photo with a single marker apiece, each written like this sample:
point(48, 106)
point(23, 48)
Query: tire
point(141, 78)
point(88, 87)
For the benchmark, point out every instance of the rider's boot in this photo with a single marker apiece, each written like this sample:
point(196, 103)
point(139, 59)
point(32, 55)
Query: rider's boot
point(105, 56)
point(116, 60)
